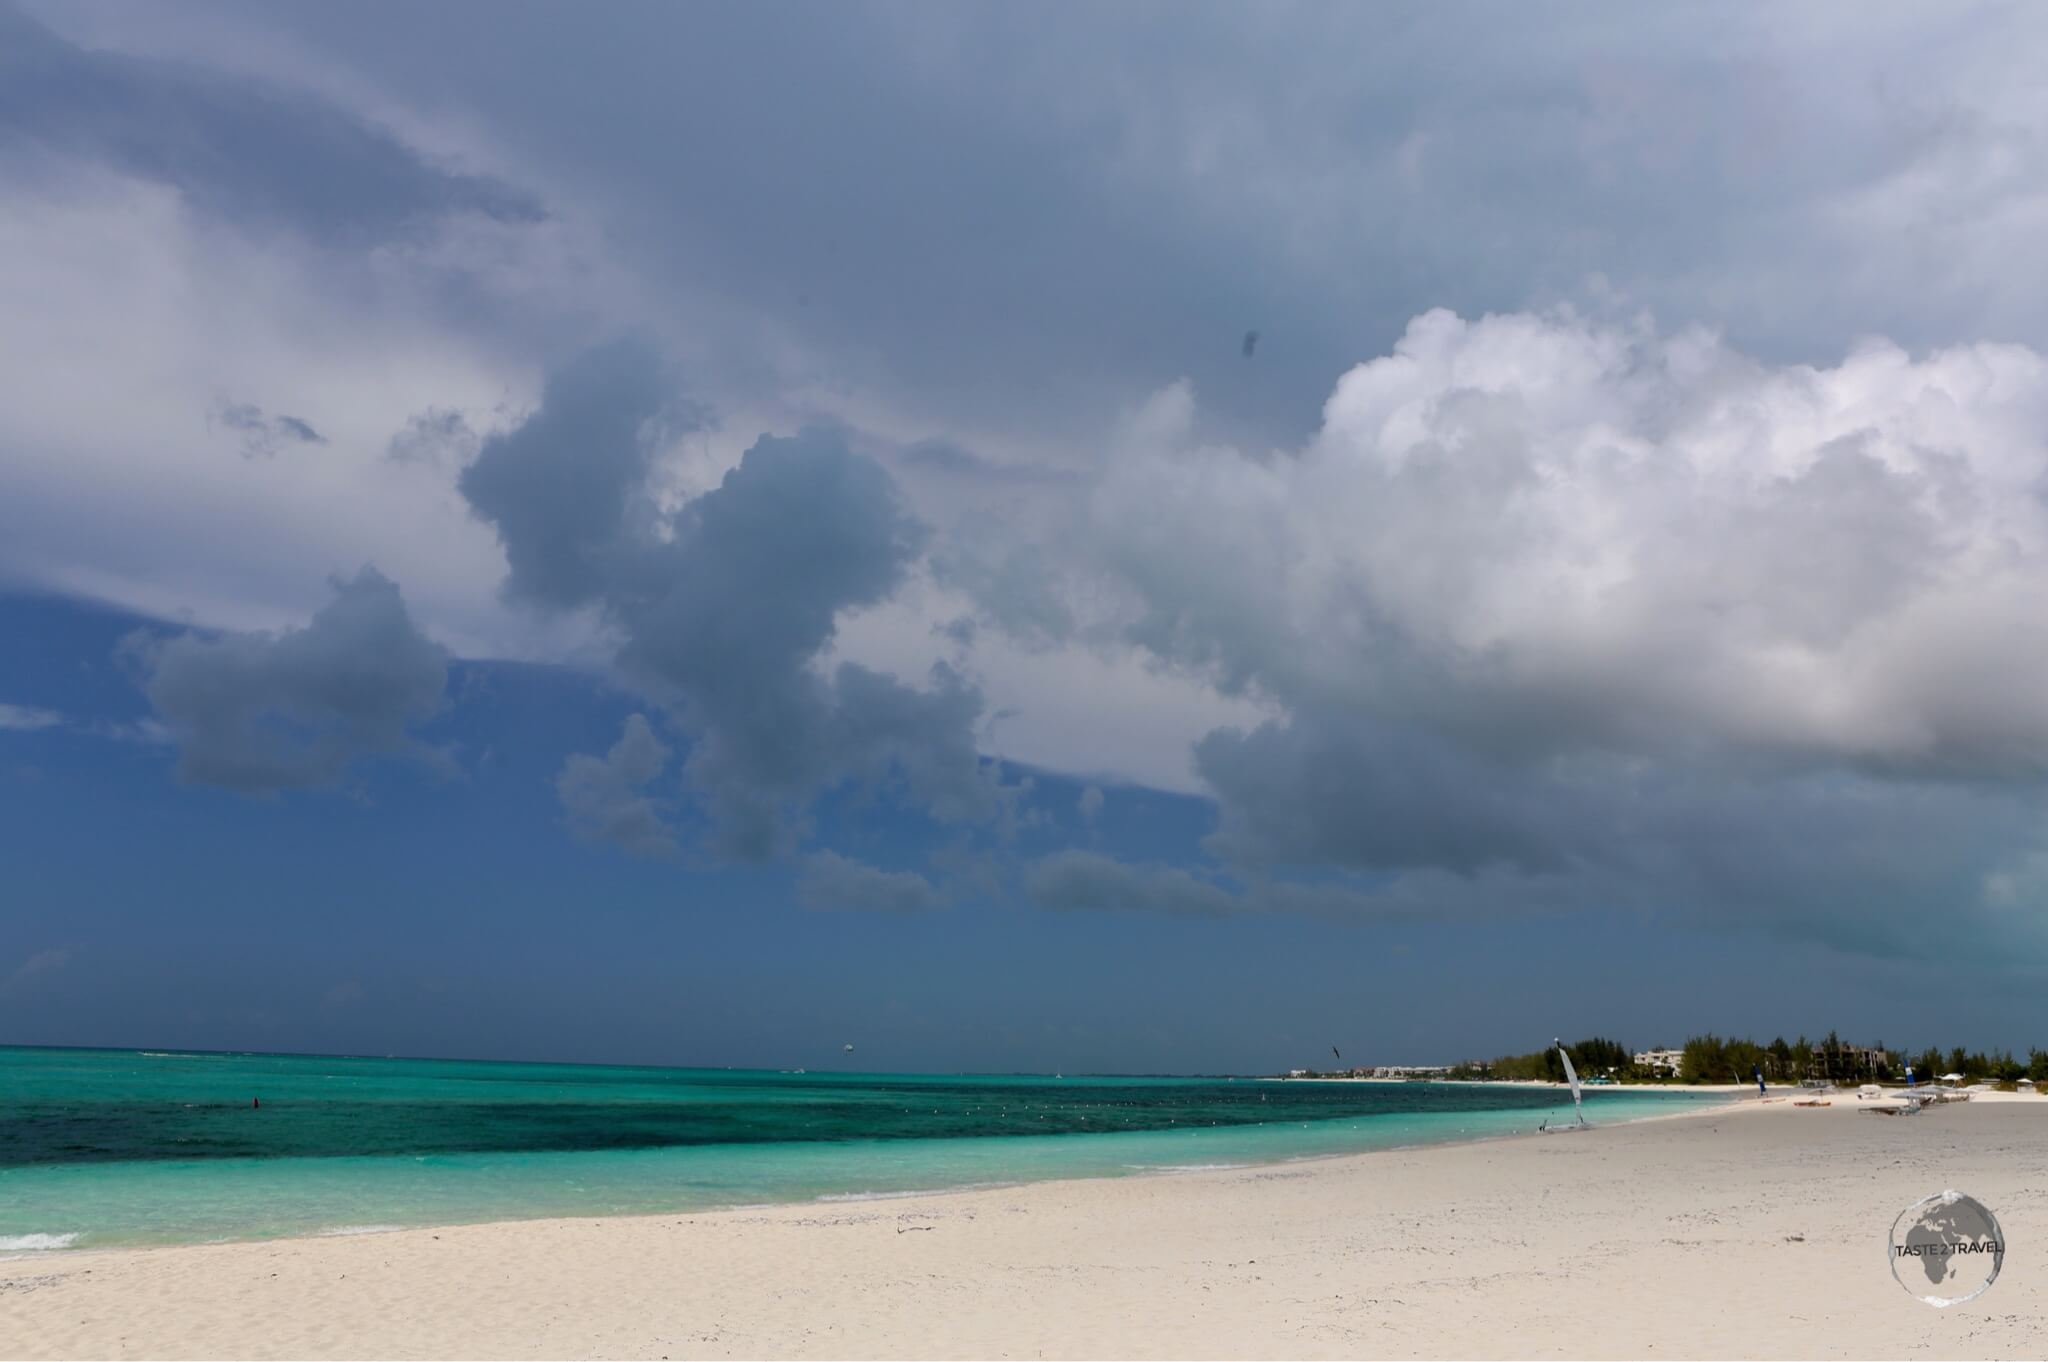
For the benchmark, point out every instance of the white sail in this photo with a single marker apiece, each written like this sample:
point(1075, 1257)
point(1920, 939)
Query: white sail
point(1571, 1076)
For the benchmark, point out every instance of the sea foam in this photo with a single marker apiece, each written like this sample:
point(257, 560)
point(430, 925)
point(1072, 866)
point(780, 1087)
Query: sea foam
point(1185, 1167)
point(35, 1243)
point(903, 1193)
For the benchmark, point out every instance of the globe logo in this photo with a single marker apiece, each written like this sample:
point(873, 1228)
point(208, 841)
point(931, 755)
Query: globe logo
point(1946, 1249)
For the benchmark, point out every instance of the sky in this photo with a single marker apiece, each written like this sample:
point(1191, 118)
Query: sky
point(1142, 538)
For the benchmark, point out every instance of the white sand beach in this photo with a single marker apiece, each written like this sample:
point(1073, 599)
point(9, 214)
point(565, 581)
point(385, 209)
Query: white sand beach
point(1755, 1230)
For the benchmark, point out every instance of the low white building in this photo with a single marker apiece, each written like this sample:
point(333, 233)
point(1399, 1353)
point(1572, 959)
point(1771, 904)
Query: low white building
point(1660, 1061)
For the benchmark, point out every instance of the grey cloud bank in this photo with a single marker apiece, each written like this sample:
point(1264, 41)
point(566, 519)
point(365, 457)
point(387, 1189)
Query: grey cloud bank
point(603, 796)
point(1131, 189)
point(252, 149)
point(722, 607)
point(262, 713)
point(1585, 547)
point(1582, 605)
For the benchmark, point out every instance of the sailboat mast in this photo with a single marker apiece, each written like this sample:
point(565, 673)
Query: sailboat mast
point(1572, 1077)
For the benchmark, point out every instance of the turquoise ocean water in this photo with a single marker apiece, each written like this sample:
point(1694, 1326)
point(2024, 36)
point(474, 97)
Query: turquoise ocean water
point(111, 1147)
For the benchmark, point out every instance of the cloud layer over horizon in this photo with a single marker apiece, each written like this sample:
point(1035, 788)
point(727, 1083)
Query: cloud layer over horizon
point(1599, 524)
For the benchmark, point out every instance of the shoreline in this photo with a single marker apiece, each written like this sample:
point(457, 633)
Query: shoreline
point(53, 1252)
point(827, 1200)
point(1557, 1084)
point(1594, 1246)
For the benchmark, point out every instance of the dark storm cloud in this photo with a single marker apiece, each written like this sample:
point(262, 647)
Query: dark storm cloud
point(831, 882)
point(248, 150)
point(723, 607)
point(1882, 866)
point(1134, 188)
point(725, 618)
point(558, 486)
point(261, 713)
point(605, 796)
point(998, 204)
point(1327, 789)
point(1942, 875)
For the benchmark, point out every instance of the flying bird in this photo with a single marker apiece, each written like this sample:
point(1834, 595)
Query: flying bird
point(1251, 341)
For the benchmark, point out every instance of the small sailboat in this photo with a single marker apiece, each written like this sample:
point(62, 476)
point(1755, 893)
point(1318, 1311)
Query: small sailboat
point(1571, 1076)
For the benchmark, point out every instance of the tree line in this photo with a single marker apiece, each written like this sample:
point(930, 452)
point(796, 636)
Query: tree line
point(1711, 1059)
point(1594, 1057)
point(1715, 1059)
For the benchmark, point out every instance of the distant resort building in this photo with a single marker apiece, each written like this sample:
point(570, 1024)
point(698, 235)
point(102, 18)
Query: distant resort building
point(1409, 1071)
point(1834, 1061)
point(1663, 1063)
